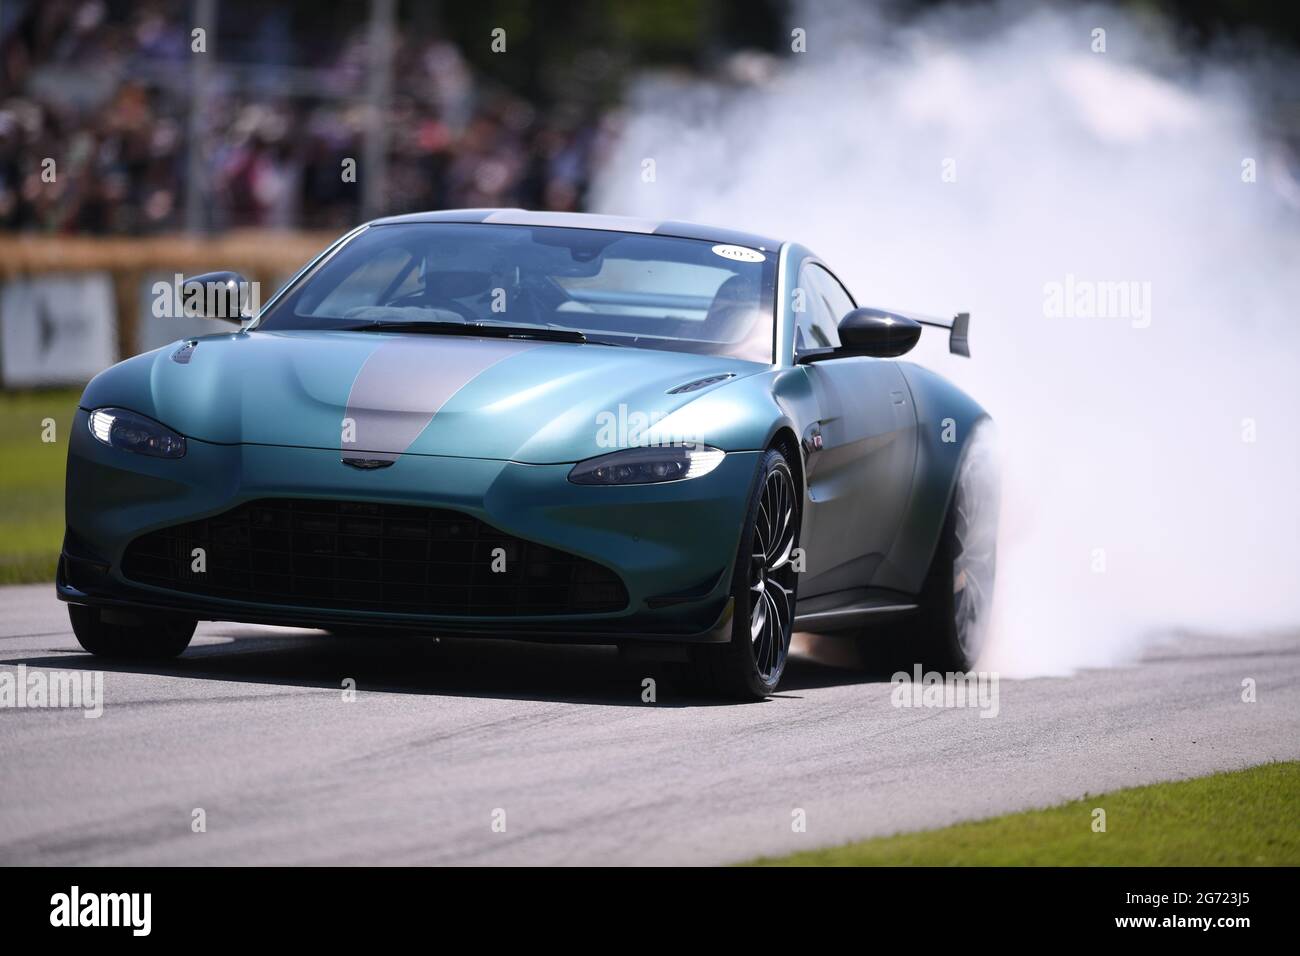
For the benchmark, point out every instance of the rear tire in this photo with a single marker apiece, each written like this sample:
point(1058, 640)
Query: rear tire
point(949, 630)
point(763, 585)
point(934, 628)
point(158, 636)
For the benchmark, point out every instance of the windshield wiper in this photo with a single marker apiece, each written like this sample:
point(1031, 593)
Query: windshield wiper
point(471, 328)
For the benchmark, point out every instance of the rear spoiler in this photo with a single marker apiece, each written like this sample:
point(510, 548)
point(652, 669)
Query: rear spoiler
point(958, 328)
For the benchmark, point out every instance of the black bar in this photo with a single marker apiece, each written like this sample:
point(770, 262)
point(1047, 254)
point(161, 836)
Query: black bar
point(927, 906)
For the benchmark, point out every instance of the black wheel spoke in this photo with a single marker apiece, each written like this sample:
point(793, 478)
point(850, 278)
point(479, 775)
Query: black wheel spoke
point(758, 619)
point(780, 600)
point(773, 634)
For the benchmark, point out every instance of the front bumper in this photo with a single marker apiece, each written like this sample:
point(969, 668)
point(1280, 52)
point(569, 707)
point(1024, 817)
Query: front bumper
point(673, 545)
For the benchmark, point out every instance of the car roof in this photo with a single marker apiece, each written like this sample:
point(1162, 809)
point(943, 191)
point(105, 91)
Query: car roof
point(584, 220)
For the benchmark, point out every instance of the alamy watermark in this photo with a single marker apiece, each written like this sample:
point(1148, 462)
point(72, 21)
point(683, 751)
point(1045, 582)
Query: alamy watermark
point(952, 689)
point(128, 910)
point(1076, 298)
point(181, 297)
point(23, 689)
point(636, 429)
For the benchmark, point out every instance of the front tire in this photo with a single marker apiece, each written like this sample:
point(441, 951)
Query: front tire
point(156, 637)
point(750, 665)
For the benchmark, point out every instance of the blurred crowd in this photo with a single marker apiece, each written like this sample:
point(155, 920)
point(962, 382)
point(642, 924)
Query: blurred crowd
point(103, 90)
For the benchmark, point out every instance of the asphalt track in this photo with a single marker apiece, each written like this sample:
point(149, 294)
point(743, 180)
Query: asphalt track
point(251, 725)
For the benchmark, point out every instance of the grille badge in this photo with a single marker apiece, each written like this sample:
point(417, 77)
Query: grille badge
point(368, 464)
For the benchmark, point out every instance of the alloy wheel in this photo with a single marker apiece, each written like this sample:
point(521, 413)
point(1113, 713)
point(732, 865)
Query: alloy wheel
point(771, 576)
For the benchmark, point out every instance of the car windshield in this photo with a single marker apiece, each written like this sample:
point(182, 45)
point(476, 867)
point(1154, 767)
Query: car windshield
point(619, 288)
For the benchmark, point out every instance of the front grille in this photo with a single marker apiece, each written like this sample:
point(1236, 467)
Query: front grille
point(365, 556)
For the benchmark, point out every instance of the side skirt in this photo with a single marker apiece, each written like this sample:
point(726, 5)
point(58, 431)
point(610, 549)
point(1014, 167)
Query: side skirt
point(846, 610)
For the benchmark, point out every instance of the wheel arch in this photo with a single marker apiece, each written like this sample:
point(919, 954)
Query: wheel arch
point(946, 420)
point(784, 440)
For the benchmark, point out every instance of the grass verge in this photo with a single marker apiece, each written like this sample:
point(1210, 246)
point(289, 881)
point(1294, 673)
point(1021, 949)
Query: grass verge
point(1242, 818)
point(31, 482)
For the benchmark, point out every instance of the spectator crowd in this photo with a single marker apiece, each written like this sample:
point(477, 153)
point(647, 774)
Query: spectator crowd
point(104, 90)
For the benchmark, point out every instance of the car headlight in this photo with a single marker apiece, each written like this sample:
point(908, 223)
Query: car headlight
point(645, 466)
point(119, 428)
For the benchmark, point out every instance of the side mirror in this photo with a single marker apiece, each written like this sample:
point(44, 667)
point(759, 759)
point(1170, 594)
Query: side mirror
point(877, 333)
point(227, 296)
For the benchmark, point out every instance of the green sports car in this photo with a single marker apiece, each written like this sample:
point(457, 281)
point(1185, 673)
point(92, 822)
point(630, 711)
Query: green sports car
point(666, 436)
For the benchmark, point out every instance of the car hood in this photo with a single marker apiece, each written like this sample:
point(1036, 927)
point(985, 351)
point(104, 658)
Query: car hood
point(386, 394)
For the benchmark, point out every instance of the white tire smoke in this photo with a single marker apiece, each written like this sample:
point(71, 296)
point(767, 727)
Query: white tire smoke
point(1126, 238)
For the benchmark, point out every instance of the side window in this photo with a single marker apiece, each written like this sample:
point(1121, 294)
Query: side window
point(841, 304)
point(824, 302)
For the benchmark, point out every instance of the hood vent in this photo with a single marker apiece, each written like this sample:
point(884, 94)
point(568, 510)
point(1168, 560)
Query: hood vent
point(700, 383)
point(182, 355)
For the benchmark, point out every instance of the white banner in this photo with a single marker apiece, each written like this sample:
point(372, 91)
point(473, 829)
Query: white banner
point(56, 329)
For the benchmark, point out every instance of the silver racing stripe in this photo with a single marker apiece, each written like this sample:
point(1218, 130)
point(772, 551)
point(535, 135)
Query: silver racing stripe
point(406, 382)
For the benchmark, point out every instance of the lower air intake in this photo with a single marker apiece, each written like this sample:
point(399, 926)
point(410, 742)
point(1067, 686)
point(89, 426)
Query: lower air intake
point(363, 556)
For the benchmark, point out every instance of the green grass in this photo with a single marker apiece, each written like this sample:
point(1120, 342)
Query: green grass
point(31, 482)
point(1244, 818)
